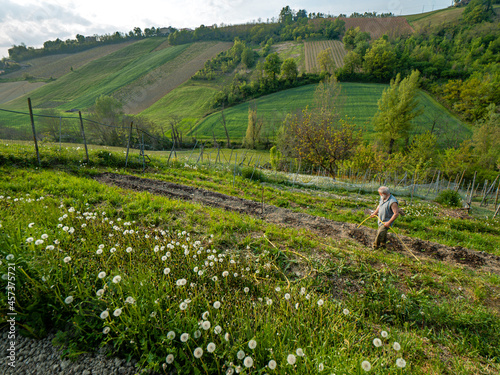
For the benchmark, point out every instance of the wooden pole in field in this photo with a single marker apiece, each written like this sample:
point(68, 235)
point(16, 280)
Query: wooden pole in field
point(460, 182)
point(485, 198)
point(60, 126)
point(34, 131)
point(496, 212)
point(83, 136)
point(128, 143)
point(192, 150)
point(496, 195)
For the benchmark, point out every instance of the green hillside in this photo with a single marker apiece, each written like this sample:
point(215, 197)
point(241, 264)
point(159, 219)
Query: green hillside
point(80, 88)
point(360, 104)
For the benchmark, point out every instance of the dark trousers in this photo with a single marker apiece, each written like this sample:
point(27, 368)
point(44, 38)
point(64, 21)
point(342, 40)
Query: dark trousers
point(381, 237)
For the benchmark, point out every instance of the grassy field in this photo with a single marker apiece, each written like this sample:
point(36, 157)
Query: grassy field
point(80, 88)
point(360, 104)
point(436, 17)
point(224, 290)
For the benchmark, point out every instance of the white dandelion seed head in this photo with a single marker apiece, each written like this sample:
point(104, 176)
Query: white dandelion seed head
point(98, 251)
point(101, 275)
point(10, 257)
point(130, 300)
point(225, 274)
point(287, 296)
point(291, 359)
point(184, 337)
point(170, 359)
point(246, 290)
point(377, 342)
point(100, 292)
point(67, 259)
point(400, 362)
point(171, 335)
point(183, 306)
point(205, 315)
point(50, 247)
point(346, 312)
point(216, 304)
point(365, 365)
point(248, 362)
point(166, 271)
point(396, 346)
point(211, 347)
point(68, 300)
point(227, 336)
point(31, 225)
point(272, 364)
point(104, 314)
point(321, 367)
point(320, 302)
point(117, 312)
point(300, 352)
point(197, 334)
point(198, 352)
point(252, 344)
point(206, 325)
point(217, 330)
point(106, 330)
point(384, 334)
point(117, 279)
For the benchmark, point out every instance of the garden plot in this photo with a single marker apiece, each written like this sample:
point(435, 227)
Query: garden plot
point(328, 228)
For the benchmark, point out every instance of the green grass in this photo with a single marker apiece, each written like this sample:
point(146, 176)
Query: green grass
point(103, 76)
point(344, 297)
point(360, 105)
point(187, 102)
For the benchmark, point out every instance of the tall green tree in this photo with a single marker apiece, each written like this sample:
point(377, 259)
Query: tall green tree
point(380, 60)
point(254, 128)
point(272, 65)
point(396, 109)
point(289, 70)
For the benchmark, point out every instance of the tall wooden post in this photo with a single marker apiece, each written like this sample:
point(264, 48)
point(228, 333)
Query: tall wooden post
point(83, 136)
point(128, 143)
point(34, 131)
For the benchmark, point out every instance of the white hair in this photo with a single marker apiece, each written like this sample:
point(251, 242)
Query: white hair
point(384, 190)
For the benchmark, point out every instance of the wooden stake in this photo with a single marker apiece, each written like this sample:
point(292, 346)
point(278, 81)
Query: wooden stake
point(128, 143)
point(34, 131)
point(83, 136)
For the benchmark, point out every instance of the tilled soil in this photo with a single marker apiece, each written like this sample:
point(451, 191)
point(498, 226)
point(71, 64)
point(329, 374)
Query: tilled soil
point(320, 225)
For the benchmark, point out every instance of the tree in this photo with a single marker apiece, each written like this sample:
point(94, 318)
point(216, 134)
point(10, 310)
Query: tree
point(254, 128)
point(272, 65)
point(477, 11)
point(396, 109)
point(248, 57)
point(325, 61)
point(289, 70)
point(318, 135)
point(286, 15)
point(486, 140)
point(380, 60)
point(107, 112)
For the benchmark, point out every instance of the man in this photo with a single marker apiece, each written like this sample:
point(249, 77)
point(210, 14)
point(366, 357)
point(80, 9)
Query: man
point(387, 211)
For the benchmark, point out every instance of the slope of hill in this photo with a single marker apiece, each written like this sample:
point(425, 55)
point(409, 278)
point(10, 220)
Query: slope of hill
point(360, 105)
point(148, 89)
point(436, 17)
point(392, 26)
point(312, 49)
point(55, 66)
point(139, 74)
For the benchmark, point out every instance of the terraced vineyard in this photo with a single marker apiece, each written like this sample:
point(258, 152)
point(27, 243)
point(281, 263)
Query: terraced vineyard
point(312, 49)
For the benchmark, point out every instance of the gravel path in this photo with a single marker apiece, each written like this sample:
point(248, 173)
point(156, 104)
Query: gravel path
point(41, 357)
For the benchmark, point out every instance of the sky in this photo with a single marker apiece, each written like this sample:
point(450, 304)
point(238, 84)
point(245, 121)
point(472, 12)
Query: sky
point(33, 22)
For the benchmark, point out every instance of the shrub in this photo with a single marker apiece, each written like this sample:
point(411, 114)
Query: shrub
point(449, 198)
point(252, 174)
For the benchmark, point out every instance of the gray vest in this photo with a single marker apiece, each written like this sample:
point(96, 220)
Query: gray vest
point(385, 211)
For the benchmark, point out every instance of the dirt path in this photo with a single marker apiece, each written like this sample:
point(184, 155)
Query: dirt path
point(325, 227)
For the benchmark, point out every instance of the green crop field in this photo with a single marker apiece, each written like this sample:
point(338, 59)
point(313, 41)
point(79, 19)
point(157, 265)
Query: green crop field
point(359, 103)
point(80, 88)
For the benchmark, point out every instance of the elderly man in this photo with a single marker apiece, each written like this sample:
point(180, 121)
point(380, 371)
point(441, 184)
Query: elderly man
point(387, 211)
